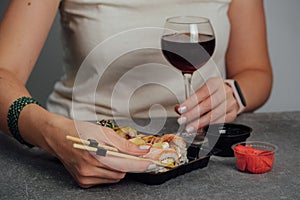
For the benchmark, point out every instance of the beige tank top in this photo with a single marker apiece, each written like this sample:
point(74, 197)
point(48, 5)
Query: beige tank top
point(113, 62)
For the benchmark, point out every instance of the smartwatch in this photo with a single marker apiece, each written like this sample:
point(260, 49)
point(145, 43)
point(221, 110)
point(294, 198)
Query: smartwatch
point(237, 92)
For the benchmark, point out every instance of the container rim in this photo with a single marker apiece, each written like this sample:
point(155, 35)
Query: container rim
point(246, 129)
point(273, 148)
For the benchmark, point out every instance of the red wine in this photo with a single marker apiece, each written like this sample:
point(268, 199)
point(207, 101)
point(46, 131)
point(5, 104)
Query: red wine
point(185, 55)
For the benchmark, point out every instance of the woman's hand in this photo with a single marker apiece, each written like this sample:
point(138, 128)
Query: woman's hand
point(212, 103)
point(87, 168)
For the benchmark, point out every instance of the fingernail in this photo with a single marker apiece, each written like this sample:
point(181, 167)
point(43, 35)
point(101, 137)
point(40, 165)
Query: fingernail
point(181, 120)
point(190, 129)
point(144, 147)
point(152, 166)
point(182, 109)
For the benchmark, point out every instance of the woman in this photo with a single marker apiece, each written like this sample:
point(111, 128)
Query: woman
point(241, 52)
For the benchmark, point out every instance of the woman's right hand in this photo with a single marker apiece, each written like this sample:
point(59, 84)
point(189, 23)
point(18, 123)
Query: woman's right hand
point(87, 168)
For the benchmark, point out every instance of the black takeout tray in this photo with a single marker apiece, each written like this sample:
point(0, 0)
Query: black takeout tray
point(152, 178)
point(198, 154)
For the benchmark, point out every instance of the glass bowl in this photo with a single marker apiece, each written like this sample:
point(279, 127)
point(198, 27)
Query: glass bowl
point(254, 156)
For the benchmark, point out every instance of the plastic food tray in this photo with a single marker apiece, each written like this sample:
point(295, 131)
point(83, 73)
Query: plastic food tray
point(198, 155)
point(159, 178)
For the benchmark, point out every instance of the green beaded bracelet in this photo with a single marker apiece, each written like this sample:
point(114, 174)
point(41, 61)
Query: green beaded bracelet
point(13, 117)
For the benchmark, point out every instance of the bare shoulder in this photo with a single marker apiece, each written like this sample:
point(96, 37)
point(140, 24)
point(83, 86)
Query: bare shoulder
point(238, 5)
point(248, 41)
point(23, 31)
point(45, 6)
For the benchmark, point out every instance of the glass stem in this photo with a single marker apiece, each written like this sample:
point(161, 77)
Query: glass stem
point(187, 84)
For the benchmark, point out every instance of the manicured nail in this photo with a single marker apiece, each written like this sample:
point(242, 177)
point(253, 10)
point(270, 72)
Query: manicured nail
point(152, 166)
point(182, 109)
point(190, 129)
point(181, 120)
point(144, 147)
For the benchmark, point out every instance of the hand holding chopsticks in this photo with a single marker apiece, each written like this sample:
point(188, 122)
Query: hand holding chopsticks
point(103, 150)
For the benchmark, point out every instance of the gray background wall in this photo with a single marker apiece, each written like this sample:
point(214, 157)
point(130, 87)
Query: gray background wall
point(283, 23)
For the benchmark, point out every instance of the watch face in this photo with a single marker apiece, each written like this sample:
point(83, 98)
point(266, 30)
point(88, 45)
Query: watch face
point(238, 89)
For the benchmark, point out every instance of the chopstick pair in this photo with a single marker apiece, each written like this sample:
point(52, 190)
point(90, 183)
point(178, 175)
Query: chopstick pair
point(103, 150)
point(92, 143)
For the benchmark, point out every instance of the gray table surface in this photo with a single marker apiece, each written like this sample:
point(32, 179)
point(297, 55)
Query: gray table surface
point(33, 174)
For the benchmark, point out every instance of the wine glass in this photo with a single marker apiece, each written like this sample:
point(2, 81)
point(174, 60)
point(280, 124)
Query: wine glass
point(187, 43)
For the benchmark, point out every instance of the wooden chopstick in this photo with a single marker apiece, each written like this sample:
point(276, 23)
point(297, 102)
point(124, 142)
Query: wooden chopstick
point(117, 154)
point(86, 142)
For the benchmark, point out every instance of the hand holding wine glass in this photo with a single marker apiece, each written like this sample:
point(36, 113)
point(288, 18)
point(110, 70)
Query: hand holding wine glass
point(188, 43)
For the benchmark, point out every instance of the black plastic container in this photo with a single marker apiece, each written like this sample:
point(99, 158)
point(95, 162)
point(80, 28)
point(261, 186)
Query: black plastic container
point(198, 156)
point(225, 135)
point(198, 162)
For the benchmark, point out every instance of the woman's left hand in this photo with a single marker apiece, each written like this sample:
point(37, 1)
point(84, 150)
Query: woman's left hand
point(214, 102)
